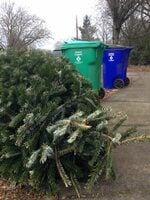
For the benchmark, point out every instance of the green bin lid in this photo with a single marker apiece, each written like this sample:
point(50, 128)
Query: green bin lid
point(82, 44)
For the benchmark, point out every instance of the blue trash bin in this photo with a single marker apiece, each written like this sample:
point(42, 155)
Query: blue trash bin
point(115, 62)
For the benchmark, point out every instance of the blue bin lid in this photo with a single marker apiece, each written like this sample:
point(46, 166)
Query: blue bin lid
point(118, 47)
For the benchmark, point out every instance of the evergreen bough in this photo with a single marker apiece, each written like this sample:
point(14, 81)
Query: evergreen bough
point(52, 126)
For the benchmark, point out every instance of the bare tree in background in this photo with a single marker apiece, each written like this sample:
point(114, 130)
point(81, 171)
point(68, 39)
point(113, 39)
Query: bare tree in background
point(144, 10)
point(103, 22)
point(146, 7)
point(19, 29)
point(138, 24)
point(120, 11)
point(136, 32)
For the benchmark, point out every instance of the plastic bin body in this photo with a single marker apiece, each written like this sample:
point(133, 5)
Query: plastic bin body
point(86, 56)
point(115, 62)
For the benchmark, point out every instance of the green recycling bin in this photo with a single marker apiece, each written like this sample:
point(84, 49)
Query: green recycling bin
point(86, 56)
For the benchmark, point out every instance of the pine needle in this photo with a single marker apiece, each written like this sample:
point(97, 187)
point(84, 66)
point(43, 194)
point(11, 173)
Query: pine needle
point(62, 172)
point(75, 185)
point(143, 137)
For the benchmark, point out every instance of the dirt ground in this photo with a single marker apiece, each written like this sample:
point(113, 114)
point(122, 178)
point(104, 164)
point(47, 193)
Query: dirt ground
point(132, 162)
point(8, 191)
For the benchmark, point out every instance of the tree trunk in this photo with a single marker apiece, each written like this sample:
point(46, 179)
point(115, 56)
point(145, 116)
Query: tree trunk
point(116, 33)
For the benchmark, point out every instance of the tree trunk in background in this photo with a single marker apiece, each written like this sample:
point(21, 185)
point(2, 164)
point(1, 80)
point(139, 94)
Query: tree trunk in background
point(116, 34)
point(120, 11)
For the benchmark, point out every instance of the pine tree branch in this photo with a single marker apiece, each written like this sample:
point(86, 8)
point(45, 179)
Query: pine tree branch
point(66, 151)
point(61, 171)
point(75, 185)
point(107, 137)
point(136, 139)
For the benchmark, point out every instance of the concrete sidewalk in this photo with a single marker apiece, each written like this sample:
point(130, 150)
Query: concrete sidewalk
point(134, 100)
point(132, 162)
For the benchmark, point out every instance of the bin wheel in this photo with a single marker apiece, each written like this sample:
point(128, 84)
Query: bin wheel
point(101, 93)
point(127, 81)
point(118, 83)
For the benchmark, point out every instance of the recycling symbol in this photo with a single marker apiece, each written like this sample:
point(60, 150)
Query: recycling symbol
point(111, 57)
point(78, 58)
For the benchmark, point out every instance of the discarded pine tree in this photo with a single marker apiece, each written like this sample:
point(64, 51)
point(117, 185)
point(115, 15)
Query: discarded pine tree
point(52, 126)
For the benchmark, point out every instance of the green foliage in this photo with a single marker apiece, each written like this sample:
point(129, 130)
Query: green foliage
point(52, 126)
point(140, 54)
point(88, 30)
point(135, 33)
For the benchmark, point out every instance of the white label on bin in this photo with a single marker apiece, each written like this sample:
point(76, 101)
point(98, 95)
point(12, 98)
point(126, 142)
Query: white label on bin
point(78, 57)
point(111, 57)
